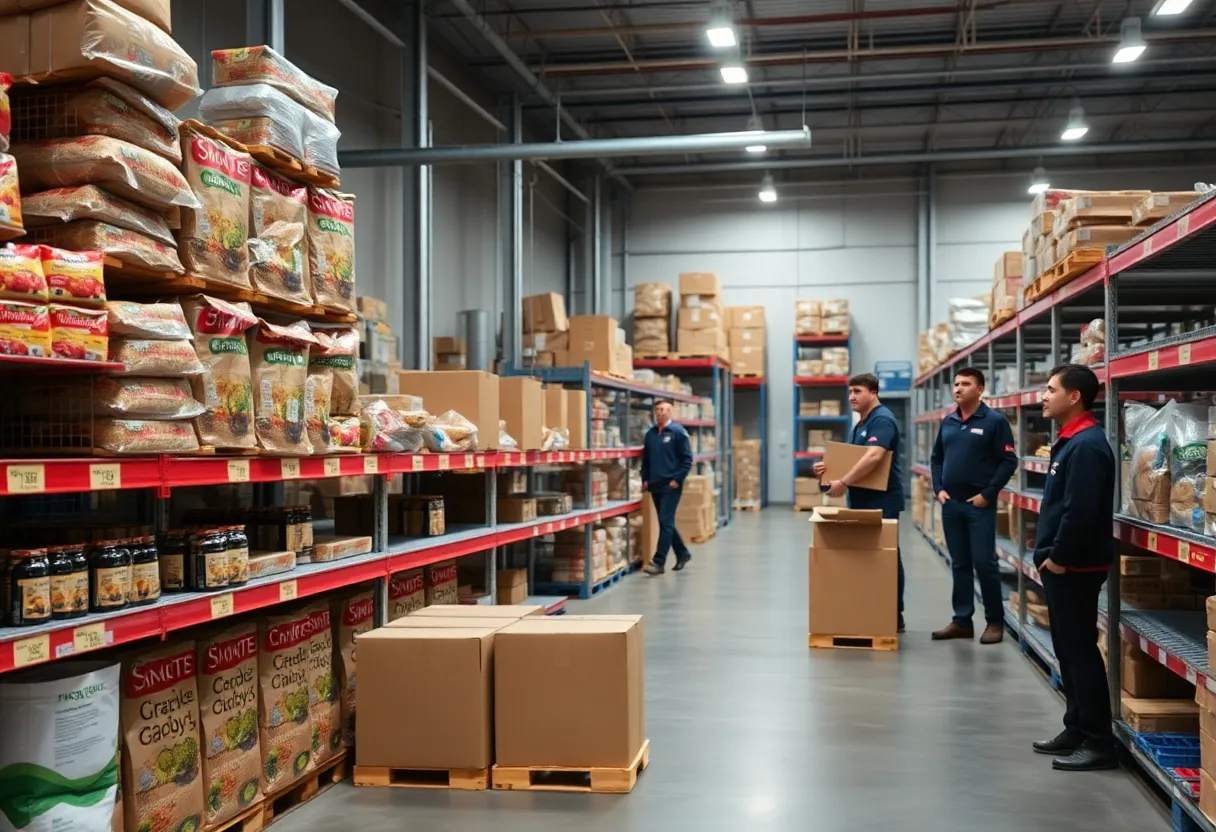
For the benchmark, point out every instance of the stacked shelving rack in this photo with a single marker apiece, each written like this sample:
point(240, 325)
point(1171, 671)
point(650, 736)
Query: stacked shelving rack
point(1156, 293)
point(836, 386)
point(759, 384)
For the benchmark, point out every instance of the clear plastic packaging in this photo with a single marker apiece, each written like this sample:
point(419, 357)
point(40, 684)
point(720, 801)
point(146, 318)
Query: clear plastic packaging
point(120, 167)
point(331, 247)
point(226, 386)
point(345, 434)
point(89, 202)
point(163, 321)
point(318, 388)
point(128, 247)
point(262, 65)
point(279, 360)
point(321, 143)
point(651, 300)
point(259, 114)
point(1188, 458)
point(506, 441)
point(334, 357)
point(156, 359)
point(213, 238)
point(385, 430)
point(10, 192)
point(1093, 342)
point(144, 398)
point(142, 436)
point(278, 259)
point(75, 276)
point(1146, 486)
point(449, 431)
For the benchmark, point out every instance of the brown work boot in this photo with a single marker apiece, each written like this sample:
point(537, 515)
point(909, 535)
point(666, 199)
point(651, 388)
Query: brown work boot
point(953, 630)
point(993, 634)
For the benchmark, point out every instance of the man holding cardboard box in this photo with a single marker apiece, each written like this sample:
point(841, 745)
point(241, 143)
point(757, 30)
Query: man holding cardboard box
point(666, 461)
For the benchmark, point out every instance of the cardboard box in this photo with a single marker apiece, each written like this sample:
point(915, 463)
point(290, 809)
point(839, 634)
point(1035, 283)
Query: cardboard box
point(807, 485)
point(455, 622)
point(445, 723)
point(651, 300)
point(521, 403)
point(442, 344)
point(747, 360)
point(746, 338)
point(546, 673)
point(1146, 678)
point(1140, 565)
point(578, 422)
point(650, 530)
point(1008, 265)
point(840, 459)
point(371, 309)
point(701, 341)
point(853, 573)
point(471, 393)
point(516, 509)
point(555, 416)
point(707, 316)
point(1160, 716)
point(1210, 607)
point(493, 611)
point(545, 313)
point(1207, 795)
point(700, 283)
point(593, 340)
point(441, 583)
point(512, 585)
point(746, 317)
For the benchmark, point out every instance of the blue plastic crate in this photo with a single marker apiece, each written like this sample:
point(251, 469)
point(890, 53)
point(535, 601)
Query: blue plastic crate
point(1171, 750)
point(893, 376)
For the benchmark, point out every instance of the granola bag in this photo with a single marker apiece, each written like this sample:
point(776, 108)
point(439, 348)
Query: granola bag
point(1146, 472)
point(74, 276)
point(139, 436)
point(212, 239)
point(155, 359)
point(335, 357)
point(259, 112)
point(21, 276)
point(324, 705)
point(89, 202)
point(163, 321)
point(384, 430)
point(226, 387)
point(122, 168)
point(128, 247)
point(262, 65)
point(331, 247)
point(356, 615)
point(345, 434)
point(284, 727)
point(1188, 434)
point(279, 359)
point(278, 261)
point(318, 388)
point(228, 688)
point(11, 209)
point(132, 397)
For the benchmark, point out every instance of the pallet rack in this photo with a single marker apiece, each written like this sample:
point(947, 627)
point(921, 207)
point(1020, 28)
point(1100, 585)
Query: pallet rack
point(760, 385)
point(1156, 292)
point(833, 384)
point(721, 394)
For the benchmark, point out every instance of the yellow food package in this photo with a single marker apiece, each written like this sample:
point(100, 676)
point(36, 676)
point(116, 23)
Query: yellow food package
point(81, 334)
point(25, 329)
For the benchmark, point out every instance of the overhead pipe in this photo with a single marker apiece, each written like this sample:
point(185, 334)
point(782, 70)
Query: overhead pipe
point(985, 154)
point(587, 149)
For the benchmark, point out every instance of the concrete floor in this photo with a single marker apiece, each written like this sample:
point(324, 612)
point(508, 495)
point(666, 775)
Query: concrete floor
point(751, 730)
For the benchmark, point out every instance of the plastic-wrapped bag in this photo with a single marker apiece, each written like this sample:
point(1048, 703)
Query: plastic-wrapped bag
point(457, 432)
point(318, 389)
point(345, 434)
point(335, 358)
point(6, 113)
point(506, 441)
point(10, 192)
point(1188, 460)
point(256, 114)
point(156, 359)
point(89, 202)
point(321, 143)
point(162, 321)
point(331, 247)
point(226, 388)
point(385, 430)
point(1093, 342)
point(213, 237)
point(279, 360)
point(1146, 481)
point(144, 398)
point(140, 436)
point(278, 259)
point(129, 247)
point(21, 275)
point(262, 65)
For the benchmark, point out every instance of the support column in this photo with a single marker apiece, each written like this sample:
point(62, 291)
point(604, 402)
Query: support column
point(511, 219)
point(264, 24)
point(416, 194)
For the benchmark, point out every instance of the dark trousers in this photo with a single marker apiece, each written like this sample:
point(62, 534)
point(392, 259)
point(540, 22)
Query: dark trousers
point(892, 513)
point(971, 537)
point(1072, 604)
point(666, 501)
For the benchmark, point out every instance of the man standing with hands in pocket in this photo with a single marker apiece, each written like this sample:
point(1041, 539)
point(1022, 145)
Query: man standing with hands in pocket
point(973, 459)
point(666, 461)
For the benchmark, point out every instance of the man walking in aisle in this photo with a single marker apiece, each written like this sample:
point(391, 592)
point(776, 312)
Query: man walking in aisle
point(878, 431)
point(1073, 551)
point(666, 461)
point(973, 459)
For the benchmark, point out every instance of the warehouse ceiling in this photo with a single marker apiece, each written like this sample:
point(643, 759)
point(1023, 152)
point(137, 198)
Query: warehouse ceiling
point(901, 80)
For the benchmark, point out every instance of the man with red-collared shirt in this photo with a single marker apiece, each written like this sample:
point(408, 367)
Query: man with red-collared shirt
point(1073, 551)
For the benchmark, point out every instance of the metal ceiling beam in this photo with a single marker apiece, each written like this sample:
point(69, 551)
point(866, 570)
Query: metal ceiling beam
point(586, 149)
point(978, 155)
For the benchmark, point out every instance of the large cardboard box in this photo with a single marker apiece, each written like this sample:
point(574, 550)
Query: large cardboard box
point(1160, 716)
point(1146, 678)
point(444, 723)
point(593, 339)
point(701, 341)
point(1207, 795)
point(706, 316)
point(549, 671)
point(578, 422)
point(840, 458)
point(1008, 265)
point(556, 415)
point(650, 529)
point(747, 360)
point(414, 622)
point(471, 393)
point(521, 403)
point(746, 317)
point(700, 283)
point(512, 587)
point(853, 573)
point(746, 337)
point(545, 313)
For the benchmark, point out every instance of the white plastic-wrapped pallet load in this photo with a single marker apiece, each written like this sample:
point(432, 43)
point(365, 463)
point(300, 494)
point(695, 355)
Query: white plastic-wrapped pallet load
point(58, 756)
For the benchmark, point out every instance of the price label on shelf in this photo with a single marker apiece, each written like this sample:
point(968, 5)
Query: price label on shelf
point(333, 466)
point(481, 461)
point(88, 637)
point(1154, 360)
point(32, 650)
point(221, 605)
point(104, 476)
point(1191, 675)
point(1144, 644)
point(1183, 225)
point(371, 464)
point(417, 463)
point(1184, 551)
point(288, 591)
point(238, 470)
point(468, 460)
point(445, 462)
point(1184, 355)
point(291, 469)
point(1152, 541)
point(26, 479)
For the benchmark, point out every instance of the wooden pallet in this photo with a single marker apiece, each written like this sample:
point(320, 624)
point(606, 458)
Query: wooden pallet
point(854, 642)
point(704, 539)
point(749, 375)
point(570, 779)
point(1000, 316)
point(281, 163)
point(250, 820)
point(10, 232)
point(1063, 271)
point(747, 508)
point(461, 779)
point(653, 356)
point(305, 789)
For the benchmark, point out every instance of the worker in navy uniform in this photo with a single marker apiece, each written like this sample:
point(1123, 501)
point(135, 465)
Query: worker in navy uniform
point(666, 461)
point(1073, 552)
point(973, 459)
point(878, 431)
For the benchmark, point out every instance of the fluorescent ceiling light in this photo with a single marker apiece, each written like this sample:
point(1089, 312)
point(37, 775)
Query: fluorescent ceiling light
point(721, 37)
point(755, 125)
point(768, 193)
point(1171, 7)
point(1131, 42)
point(734, 74)
point(1038, 181)
point(1076, 127)
point(756, 148)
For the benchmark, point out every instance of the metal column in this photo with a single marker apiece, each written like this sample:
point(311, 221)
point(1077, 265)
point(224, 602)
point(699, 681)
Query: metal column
point(511, 217)
point(264, 24)
point(597, 245)
point(1114, 613)
point(416, 191)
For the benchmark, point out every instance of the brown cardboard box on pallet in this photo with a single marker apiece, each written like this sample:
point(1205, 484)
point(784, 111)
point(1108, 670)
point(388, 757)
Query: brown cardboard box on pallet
point(652, 300)
point(521, 405)
point(737, 337)
point(471, 393)
point(546, 670)
point(545, 313)
point(1097, 208)
point(1146, 678)
point(853, 573)
point(705, 284)
point(746, 317)
point(705, 316)
point(747, 360)
point(1160, 716)
point(701, 341)
point(1159, 205)
point(1093, 237)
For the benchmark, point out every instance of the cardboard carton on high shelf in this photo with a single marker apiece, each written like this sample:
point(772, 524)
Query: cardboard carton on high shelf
point(705, 316)
point(1008, 265)
point(516, 509)
point(834, 325)
point(546, 670)
point(1098, 208)
point(746, 317)
point(545, 313)
point(1093, 237)
point(471, 393)
point(746, 338)
point(652, 300)
point(448, 721)
point(700, 283)
point(521, 402)
point(512, 585)
point(1160, 716)
point(623, 360)
point(372, 309)
point(701, 341)
point(745, 360)
point(651, 336)
point(839, 458)
point(1158, 206)
point(593, 340)
point(853, 573)
point(556, 412)
point(576, 413)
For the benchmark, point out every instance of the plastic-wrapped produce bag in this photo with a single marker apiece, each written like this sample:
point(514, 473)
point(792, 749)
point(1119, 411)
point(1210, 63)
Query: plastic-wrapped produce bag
point(1146, 479)
point(1188, 433)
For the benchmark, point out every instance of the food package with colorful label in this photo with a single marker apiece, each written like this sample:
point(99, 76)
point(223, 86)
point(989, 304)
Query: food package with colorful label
point(10, 193)
point(89, 202)
point(21, 276)
point(74, 276)
point(278, 258)
point(331, 247)
point(6, 114)
point(262, 65)
point(279, 360)
point(213, 238)
point(127, 247)
point(226, 388)
point(78, 333)
point(25, 329)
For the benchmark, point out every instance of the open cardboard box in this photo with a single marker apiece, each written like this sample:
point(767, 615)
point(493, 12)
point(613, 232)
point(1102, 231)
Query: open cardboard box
point(853, 573)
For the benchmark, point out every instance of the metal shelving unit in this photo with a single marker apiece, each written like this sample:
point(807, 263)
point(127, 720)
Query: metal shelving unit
point(759, 384)
point(1156, 293)
point(823, 387)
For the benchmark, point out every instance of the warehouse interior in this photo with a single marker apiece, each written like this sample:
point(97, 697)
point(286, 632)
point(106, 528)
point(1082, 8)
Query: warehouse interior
point(569, 211)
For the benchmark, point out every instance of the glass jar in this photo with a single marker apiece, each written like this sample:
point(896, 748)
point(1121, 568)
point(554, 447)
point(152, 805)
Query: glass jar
point(69, 583)
point(238, 556)
point(109, 576)
point(174, 547)
point(208, 560)
point(145, 571)
point(28, 587)
point(299, 533)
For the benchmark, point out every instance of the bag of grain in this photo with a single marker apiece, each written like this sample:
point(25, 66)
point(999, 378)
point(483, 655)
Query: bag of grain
point(228, 690)
point(279, 360)
point(324, 707)
point(278, 262)
point(331, 247)
point(226, 387)
point(336, 360)
point(59, 757)
point(163, 788)
point(356, 615)
point(284, 727)
point(406, 593)
point(130, 248)
point(262, 65)
point(213, 238)
point(89, 202)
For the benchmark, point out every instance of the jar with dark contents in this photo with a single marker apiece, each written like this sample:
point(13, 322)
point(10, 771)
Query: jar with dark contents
point(299, 532)
point(208, 560)
point(28, 587)
point(109, 576)
point(238, 556)
point(69, 582)
point(145, 571)
point(174, 548)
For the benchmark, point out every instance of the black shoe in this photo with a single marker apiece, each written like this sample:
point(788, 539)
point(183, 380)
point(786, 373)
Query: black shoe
point(899, 628)
point(652, 569)
point(681, 562)
point(1066, 742)
point(1087, 758)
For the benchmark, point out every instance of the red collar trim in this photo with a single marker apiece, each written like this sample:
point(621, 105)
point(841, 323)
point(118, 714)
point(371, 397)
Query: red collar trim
point(1080, 423)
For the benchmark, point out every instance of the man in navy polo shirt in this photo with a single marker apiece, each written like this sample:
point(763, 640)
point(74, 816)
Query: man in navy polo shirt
point(973, 459)
point(878, 431)
point(666, 461)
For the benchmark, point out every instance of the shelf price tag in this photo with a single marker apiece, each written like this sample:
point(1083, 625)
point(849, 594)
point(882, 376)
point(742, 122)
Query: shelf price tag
point(1154, 360)
point(26, 479)
point(481, 461)
point(468, 460)
point(32, 650)
point(1184, 355)
point(291, 469)
point(1184, 551)
point(333, 466)
point(238, 470)
point(104, 476)
point(1147, 247)
point(1191, 675)
point(288, 591)
point(221, 605)
point(417, 463)
point(371, 464)
point(1152, 541)
point(445, 462)
point(89, 637)
point(1183, 225)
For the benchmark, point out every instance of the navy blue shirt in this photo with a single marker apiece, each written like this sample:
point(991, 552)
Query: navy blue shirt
point(974, 455)
point(666, 455)
point(1076, 518)
point(879, 429)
